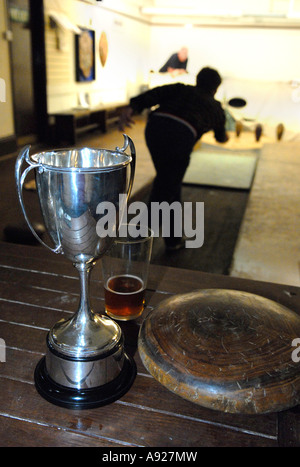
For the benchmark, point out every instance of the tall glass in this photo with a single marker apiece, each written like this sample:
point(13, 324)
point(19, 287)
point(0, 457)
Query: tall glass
point(125, 268)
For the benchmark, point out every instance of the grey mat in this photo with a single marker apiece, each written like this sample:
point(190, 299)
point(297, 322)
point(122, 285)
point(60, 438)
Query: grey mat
point(226, 169)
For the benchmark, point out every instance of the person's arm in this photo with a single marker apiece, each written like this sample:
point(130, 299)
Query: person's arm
point(221, 135)
point(219, 130)
point(167, 65)
point(176, 67)
point(126, 118)
point(153, 97)
point(176, 71)
point(147, 100)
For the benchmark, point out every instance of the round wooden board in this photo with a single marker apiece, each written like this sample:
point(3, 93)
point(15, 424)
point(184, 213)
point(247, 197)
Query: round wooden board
point(103, 48)
point(225, 350)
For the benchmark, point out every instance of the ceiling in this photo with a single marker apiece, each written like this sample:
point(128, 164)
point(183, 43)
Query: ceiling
point(255, 11)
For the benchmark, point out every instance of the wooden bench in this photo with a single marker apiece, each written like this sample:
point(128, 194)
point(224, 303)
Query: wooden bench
point(149, 414)
point(71, 123)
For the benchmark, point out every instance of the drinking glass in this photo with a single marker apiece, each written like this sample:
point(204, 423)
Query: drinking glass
point(125, 268)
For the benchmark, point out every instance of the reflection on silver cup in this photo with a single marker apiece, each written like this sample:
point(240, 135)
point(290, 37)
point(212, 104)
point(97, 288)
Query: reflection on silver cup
point(85, 365)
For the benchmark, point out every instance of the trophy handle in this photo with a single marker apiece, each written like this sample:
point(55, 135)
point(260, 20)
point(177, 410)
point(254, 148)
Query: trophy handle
point(20, 179)
point(128, 142)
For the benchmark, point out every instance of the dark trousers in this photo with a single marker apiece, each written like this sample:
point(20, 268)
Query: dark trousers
point(170, 144)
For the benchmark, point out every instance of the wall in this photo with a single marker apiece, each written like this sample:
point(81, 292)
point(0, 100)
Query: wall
point(252, 53)
point(127, 63)
point(6, 107)
point(135, 47)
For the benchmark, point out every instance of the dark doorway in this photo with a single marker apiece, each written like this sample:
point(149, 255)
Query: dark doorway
point(28, 69)
point(22, 76)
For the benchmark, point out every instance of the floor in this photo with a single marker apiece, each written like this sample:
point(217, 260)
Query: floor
point(268, 246)
point(224, 208)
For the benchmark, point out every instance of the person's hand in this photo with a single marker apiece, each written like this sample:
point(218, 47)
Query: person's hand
point(226, 138)
point(176, 72)
point(126, 118)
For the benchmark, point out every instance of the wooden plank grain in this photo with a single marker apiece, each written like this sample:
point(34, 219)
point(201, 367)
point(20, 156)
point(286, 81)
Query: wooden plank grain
point(37, 288)
point(38, 279)
point(33, 257)
point(157, 400)
point(50, 299)
point(31, 339)
point(124, 423)
point(25, 433)
point(289, 427)
point(20, 365)
point(35, 315)
point(174, 281)
point(148, 393)
point(161, 279)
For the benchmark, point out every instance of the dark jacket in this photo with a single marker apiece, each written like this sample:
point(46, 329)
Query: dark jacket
point(190, 103)
point(175, 63)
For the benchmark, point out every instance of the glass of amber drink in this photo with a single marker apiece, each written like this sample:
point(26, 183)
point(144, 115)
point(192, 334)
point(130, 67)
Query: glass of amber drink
point(125, 273)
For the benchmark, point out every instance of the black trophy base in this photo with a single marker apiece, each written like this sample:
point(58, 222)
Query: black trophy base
point(84, 398)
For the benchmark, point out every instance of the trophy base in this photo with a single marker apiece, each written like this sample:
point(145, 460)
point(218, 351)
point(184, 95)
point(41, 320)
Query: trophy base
point(84, 398)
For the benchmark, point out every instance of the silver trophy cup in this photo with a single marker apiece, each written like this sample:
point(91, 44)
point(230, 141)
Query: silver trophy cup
point(85, 365)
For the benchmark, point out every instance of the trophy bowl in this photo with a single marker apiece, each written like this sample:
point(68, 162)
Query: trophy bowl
point(85, 365)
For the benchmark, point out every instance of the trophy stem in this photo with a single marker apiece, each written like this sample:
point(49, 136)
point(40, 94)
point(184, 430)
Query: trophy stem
point(84, 312)
point(86, 334)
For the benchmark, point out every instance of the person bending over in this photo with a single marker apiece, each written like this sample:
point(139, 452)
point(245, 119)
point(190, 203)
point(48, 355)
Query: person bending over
point(177, 63)
point(182, 114)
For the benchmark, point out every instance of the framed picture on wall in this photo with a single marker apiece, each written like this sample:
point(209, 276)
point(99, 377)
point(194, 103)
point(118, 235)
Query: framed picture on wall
point(85, 55)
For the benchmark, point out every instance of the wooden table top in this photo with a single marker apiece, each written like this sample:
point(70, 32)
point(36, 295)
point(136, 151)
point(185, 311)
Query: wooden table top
point(37, 288)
